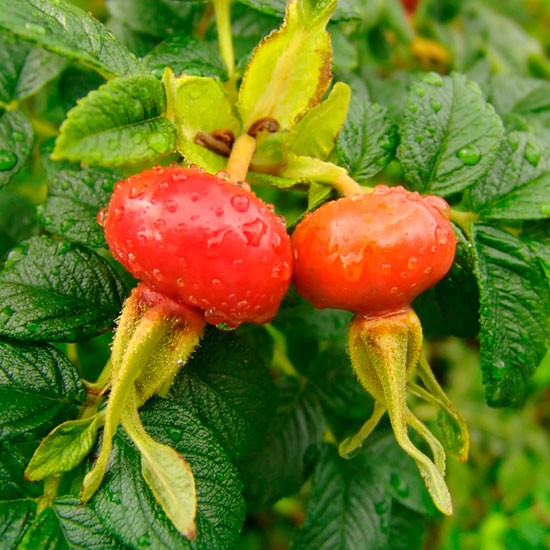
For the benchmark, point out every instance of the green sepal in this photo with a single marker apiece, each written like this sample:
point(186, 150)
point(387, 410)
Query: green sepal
point(290, 69)
point(64, 448)
point(384, 351)
point(199, 104)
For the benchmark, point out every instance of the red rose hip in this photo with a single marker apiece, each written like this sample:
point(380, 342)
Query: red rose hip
point(374, 253)
point(202, 240)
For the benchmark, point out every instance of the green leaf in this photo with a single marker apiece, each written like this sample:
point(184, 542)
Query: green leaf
point(515, 301)
point(16, 137)
point(451, 307)
point(291, 68)
point(346, 9)
point(315, 133)
point(367, 141)
point(57, 291)
point(230, 389)
point(127, 509)
point(449, 134)
point(68, 31)
point(64, 448)
point(17, 220)
point(75, 196)
point(158, 19)
point(81, 526)
point(190, 106)
point(24, 69)
point(14, 457)
point(518, 185)
point(348, 508)
point(515, 94)
point(120, 124)
point(278, 469)
point(184, 54)
point(15, 518)
point(39, 388)
point(44, 532)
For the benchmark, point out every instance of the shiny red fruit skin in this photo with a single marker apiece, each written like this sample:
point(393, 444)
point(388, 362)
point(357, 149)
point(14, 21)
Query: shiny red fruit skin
point(202, 240)
point(372, 254)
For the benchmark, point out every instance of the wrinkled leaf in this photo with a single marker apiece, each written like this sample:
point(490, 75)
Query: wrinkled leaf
point(514, 306)
point(230, 389)
point(17, 220)
point(75, 196)
point(16, 137)
point(45, 532)
point(39, 388)
point(122, 123)
point(68, 31)
point(57, 291)
point(449, 134)
point(15, 518)
point(368, 140)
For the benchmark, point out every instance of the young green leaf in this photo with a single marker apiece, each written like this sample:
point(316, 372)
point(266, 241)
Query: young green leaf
point(68, 31)
point(120, 124)
point(367, 141)
point(278, 468)
point(39, 388)
point(291, 68)
point(75, 196)
point(518, 185)
point(190, 101)
point(15, 518)
point(230, 389)
point(64, 448)
point(57, 291)
point(16, 137)
point(25, 69)
point(449, 134)
point(315, 133)
point(515, 300)
point(127, 508)
point(184, 54)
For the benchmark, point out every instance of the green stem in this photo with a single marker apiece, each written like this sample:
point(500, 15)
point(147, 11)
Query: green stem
point(463, 219)
point(222, 9)
point(240, 158)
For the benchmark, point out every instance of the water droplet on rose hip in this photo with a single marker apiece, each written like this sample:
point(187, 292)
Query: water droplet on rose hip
point(223, 174)
point(118, 213)
point(194, 197)
point(469, 155)
point(179, 176)
point(219, 211)
point(240, 203)
point(385, 268)
point(214, 244)
point(413, 263)
point(7, 160)
point(532, 153)
point(282, 271)
point(171, 205)
point(441, 235)
point(137, 189)
point(102, 217)
point(254, 231)
point(157, 274)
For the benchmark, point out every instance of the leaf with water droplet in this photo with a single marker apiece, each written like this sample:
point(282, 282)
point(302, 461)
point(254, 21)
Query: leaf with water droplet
point(451, 137)
point(13, 153)
point(122, 123)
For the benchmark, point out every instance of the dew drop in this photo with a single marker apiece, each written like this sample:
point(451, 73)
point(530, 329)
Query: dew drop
point(157, 274)
point(394, 290)
point(33, 27)
point(67, 224)
point(175, 433)
point(219, 211)
point(428, 270)
point(179, 176)
point(386, 268)
point(436, 105)
point(281, 272)
point(180, 282)
point(118, 213)
point(214, 244)
point(413, 263)
point(144, 540)
point(223, 174)
point(532, 153)
point(353, 271)
point(441, 235)
point(381, 507)
point(413, 107)
point(420, 91)
point(433, 79)
point(254, 231)
point(469, 155)
point(240, 203)
point(171, 205)
point(7, 160)
point(137, 189)
point(194, 197)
